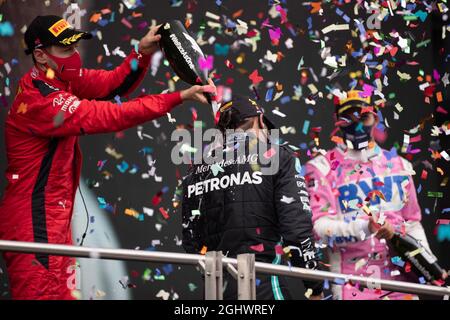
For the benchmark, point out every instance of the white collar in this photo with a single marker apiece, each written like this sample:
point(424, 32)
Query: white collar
point(364, 155)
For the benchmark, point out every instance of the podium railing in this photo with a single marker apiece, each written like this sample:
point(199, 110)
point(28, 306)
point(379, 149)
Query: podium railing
point(243, 269)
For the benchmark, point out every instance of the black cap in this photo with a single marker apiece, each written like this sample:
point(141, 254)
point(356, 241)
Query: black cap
point(47, 31)
point(239, 109)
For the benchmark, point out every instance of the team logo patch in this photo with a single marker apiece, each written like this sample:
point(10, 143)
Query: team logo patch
point(59, 27)
point(72, 39)
point(226, 106)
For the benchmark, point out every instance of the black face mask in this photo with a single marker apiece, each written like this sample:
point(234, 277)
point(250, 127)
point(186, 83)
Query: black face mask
point(357, 136)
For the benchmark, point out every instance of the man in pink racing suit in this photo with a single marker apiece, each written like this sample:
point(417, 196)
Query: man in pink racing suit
point(351, 181)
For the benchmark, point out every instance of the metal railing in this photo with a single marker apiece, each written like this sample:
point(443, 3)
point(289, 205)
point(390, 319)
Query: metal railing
point(243, 269)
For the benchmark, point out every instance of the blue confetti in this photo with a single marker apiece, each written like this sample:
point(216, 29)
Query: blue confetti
point(221, 50)
point(372, 173)
point(123, 166)
point(306, 126)
point(146, 150)
point(309, 20)
point(6, 29)
point(359, 127)
point(103, 22)
point(134, 65)
point(285, 100)
point(398, 261)
point(443, 232)
point(102, 202)
point(168, 269)
point(269, 95)
point(134, 170)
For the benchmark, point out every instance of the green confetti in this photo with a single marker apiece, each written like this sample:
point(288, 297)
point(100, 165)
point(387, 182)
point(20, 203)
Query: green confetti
point(423, 43)
point(410, 18)
point(192, 287)
point(147, 275)
point(435, 194)
point(199, 124)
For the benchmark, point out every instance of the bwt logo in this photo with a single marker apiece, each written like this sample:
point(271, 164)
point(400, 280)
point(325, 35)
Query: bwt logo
point(391, 187)
point(233, 147)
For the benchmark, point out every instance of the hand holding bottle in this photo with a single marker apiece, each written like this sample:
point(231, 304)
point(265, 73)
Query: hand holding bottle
point(385, 231)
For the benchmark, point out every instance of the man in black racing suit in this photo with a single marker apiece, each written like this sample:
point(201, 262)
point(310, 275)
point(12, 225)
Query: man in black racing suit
point(254, 200)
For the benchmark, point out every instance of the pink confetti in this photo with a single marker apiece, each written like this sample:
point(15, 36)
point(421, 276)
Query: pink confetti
point(127, 23)
point(229, 64)
point(164, 213)
point(376, 50)
point(258, 247)
point(335, 165)
point(275, 35)
point(436, 75)
point(279, 249)
point(282, 13)
point(270, 153)
point(441, 110)
point(368, 90)
point(266, 24)
point(206, 63)
point(255, 77)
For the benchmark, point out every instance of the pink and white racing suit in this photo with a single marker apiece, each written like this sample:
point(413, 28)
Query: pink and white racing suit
point(339, 182)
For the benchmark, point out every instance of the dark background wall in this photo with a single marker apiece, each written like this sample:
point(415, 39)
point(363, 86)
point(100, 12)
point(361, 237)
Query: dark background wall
point(127, 190)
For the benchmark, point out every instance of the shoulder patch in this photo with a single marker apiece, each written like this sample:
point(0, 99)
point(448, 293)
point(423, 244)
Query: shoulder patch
point(44, 88)
point(321, 163)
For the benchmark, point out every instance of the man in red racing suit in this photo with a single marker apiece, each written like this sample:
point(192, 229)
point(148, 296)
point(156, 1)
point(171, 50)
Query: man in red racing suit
point(44, 158)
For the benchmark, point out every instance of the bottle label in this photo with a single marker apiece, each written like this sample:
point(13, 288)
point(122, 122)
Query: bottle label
point(429, 256)
point(417, 264)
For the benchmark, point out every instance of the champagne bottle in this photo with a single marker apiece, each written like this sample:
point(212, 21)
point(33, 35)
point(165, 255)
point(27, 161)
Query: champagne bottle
point(422, 261)
point(183, 54)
